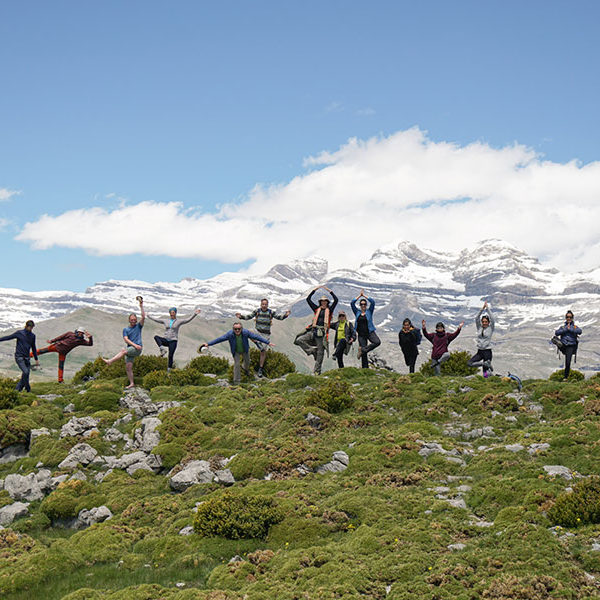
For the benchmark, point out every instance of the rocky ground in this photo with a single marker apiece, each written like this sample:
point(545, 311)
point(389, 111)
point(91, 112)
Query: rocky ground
point(370, 484)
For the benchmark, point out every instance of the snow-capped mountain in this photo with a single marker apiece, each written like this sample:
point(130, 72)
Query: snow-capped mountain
point(403, 279)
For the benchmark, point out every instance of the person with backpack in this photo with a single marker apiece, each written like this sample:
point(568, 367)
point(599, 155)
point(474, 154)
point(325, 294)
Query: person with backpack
point(344, 336)
point(168, 341)
point(263, 318)
point(365, 329)
point(25, 344)
point(440, 341)
point(485, 329)
point(568, 334)
point(409, 338)
point(315, 339)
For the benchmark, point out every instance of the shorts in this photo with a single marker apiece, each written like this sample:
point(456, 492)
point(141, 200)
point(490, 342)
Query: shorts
point(131, 354)
point(260, 345)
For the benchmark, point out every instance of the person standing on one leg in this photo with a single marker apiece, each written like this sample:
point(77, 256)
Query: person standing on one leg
point(568, 336)
point(25, 344)
point(168, 341)
point(132, 336)
point(440, 340)
point(485, 329)
point(409, 339)
point(63, 344)
point(344, 336)
point(315, 340)
point(365, 329)
point(240, 348)
point(263, 317)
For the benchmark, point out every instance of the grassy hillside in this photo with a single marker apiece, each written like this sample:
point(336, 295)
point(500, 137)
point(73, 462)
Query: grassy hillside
point(445, 494)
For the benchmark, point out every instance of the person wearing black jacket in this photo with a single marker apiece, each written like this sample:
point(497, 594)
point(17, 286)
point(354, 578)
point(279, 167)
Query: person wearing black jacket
point(344, 336)
point(409, 338)
point(25, 344)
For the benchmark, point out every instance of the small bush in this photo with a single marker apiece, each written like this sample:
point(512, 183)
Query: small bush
point(15, 427)
point(209, 364)
point(574, 375)
point(333, 396)
point(69, 498)
point(233, 516)
point(455, 365)
point(277, 365)
point(9, 397)
point(98, 369)
point(177, 377)
point(579, 507)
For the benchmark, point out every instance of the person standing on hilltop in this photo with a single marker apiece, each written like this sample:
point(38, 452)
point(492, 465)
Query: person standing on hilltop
point(440, 340)
point(63, 344)
point(132, 336)
point(409, 339)
point(485, 329)
point(365, 329)
point(25, 344)
point(344, 337)
point(568, 334)
point(168, 341)
point(240, 347)
point(315, 340)
point(263, 318)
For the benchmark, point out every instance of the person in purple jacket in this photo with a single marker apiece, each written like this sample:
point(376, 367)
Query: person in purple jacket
point(568, 336)
point(240, 347)
point(440, 340)
point(25, 344)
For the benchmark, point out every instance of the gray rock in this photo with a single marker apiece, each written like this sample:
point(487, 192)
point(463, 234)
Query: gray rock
point(150, 462)
point(113, 435)
point(55, 481)
point(441, 489)
point(141, 404)
point(224, 477)
point(79, 475)
point(123, 420)
point(463, 489)
point(536, 448)
point(49, 397)
point(12, 453)
point(514, 447)
point(558, 470)
point(189, 530)
point(196, 471)
point(235, 559)
point(29, 487)
point(455, 547)
point(595, 547)
point(465, 389)
point(457, 503)
point(77, 426)
point(146, 437)
point(69, 408)
point(535, 407)
point(303, 469)
point(429, 448)
point(13, 511)
point(478, 433)
point(80, 454)
point(90, 432)
point(313, 420)
point(86, 518)
point(99, 477)
point(36, 433)
point(482, 524)
point(338, 463)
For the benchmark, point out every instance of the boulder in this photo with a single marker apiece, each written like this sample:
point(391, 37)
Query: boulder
point(80, 454)
point(29, 487)
point(138, 401)
point(338, 463)
point(12, 453)
point(13, 511)
point(77, 426)
point(146, 437)
point(36, 433)
point(196, 471)
point(224, 477)
point(558, 470)
point(86, 518)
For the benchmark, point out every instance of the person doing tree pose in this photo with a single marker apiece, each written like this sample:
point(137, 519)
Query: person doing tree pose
point(132, 337)
point(440, 340)
point(240, 348)
point(314, 341)
point(263, 317)
point(568, 336)
point(365, 329)
point(409, 339)
point(25, 344)
point(485, 329)
point(63, 344)
point(168, 341)
point(344, 336)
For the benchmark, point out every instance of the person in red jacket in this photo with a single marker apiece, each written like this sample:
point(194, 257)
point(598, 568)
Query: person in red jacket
point(63, 344)
point(440, 340)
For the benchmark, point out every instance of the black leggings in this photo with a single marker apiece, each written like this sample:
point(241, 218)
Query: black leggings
point(338, 353)
point(362, 342)
point(478, 360)
point(568, 351)
point(172, 345)
point(410, 358)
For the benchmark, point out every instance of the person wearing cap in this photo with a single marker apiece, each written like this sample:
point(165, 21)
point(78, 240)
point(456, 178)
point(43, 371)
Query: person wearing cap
point(63, 344)
point(365, 329)
point(132, 336)
point(263, 317)
point(238, 338)
point(25, 344)
point(440, 341)
point(344, 336)
point(168, 341)
point(314, 340)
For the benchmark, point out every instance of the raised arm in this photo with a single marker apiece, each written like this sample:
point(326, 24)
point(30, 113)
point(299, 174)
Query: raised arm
point(161, 321)
point(452, 335)
point(335, 300)
point(285, 315)
point(143, 313)
point(12, 336)
point(188, 318)
point(246, 317)
point(310, 300)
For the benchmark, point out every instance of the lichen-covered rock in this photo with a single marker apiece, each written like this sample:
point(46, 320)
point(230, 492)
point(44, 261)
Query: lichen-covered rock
point(13, 511)
point(77, 426)
point(338, 463)
point(141, 404)
point(559, 470)
point(86, 518)
point(80, 454)
point(31, 487)
point(196, 471)
point(224, 477)
point(146, 438)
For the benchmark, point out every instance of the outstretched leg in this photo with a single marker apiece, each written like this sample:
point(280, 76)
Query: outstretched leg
point(117, 356)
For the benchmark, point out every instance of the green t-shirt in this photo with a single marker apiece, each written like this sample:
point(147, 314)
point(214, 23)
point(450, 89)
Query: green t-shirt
point(239, 344)
point(341, 330)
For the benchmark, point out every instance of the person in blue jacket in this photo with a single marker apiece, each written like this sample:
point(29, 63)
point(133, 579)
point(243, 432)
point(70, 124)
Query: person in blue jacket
point(568, 336)
point(25, 344)
point(240, 347)
point(365, 330)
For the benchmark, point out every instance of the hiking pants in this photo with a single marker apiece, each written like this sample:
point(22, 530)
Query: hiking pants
point(237, 360)
point(480, 359)
point(363, 342)
point(313, 346)
point(410, 358)
point(25, 365)
point(568, 351)
point(171, 344)
point(436, 363)
point(61, 360)
point(339, 352)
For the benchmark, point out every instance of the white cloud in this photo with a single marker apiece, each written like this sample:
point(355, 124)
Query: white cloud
point(6, 194)
point(360, 197)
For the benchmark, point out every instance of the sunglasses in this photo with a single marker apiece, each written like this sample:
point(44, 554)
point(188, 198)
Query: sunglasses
point(237, 328)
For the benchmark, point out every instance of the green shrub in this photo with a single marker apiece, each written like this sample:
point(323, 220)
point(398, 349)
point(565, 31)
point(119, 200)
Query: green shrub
point(277, 365)
point(334, 396)
point(579, 507)
point(98, 369)
point(177, 377)
point(9, 397)
point(574, 375)
point(234, 516)
point(209, 364)
point(69, 498)
point(15, 427)
point(455, 365)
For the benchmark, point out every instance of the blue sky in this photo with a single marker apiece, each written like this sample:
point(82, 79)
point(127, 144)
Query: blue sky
point(144, 104)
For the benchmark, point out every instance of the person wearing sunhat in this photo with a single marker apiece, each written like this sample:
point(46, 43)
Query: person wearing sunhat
point(314, 340)
point(168, 341)
point(63, 344)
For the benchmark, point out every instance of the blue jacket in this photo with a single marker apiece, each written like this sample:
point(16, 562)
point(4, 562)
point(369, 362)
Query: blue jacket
point(25, 343)
point(230, 336)
point(368, 314)
point(568, 335)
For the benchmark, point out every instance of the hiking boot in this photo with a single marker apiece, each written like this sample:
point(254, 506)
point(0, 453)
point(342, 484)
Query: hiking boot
point(259, 372)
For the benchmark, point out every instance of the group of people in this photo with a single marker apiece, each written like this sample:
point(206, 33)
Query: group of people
point(313, 340)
